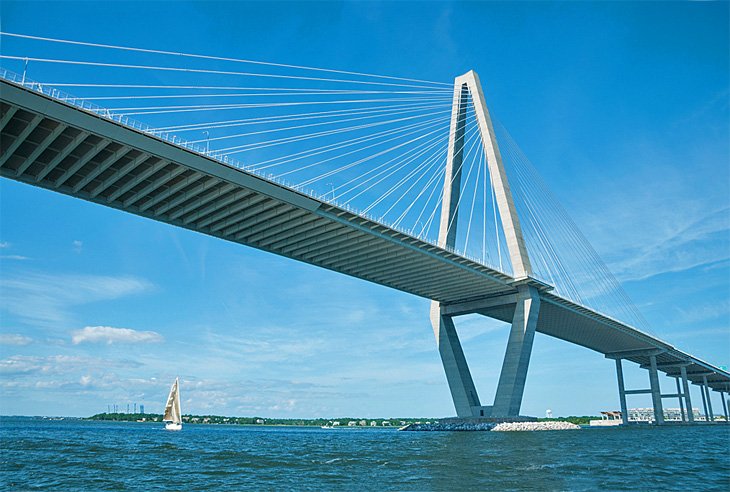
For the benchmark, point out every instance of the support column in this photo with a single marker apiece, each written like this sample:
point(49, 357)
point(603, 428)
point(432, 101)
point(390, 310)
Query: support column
point(704, 401)
point(461, 385)
point(656, 395)
point(622, 391)
point(709, 401)
point(724, 406)
point(511, 387)
point(687, 396)
point(680, 397)
point(463, 391)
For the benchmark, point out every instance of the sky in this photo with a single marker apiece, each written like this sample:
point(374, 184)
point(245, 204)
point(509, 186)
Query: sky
point(622, 107)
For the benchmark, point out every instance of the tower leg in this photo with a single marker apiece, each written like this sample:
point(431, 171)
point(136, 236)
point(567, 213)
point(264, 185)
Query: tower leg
point(508, 400)
point(681, 400)
point(656, 395)
point(711, 416)
point(687, 396)
point(463, 391)
point(622, 392)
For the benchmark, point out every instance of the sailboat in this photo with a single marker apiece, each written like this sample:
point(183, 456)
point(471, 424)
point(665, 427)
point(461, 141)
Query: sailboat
point(173, 415)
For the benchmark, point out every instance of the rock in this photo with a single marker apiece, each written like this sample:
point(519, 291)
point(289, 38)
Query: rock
point(534, 426)
point(444, 426)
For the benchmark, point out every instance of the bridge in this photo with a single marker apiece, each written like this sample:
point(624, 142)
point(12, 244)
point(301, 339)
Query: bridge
point(72, 146)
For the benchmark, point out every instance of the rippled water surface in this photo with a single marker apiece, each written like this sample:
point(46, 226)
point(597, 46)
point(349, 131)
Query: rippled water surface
point(81, 455)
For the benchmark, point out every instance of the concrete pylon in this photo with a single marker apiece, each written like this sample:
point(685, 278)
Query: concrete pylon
point(461, 385)
point(656, 393)
point(511, 387)
point(508, 398)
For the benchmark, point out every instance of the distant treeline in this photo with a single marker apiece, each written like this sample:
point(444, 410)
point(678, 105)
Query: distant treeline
point(344, 421)
point(218, 419)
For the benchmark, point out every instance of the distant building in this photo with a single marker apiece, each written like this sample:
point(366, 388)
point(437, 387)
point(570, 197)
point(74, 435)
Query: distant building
point(141, 408)
point(363, 423)
point(260, 421)
point(670, 414)
point(373, 423)
point(548, 414)
point(351, 423)
point(385, 423)
point(607, 419)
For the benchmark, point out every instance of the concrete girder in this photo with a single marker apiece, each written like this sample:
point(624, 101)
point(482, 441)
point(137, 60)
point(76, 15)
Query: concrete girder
point(217, 206)
point(282, 220)
point(142, 176)
point(202, 201)
point(245, 217)
point(81, 162)
point(9, 151)
point(153, 186)
point(291, 232)
point(40, 148)
point(245, 227)
point(171, 191)
point(222, 218)
point(7, 116)
point(644, 352)
point(349, 241)
point(254, 216)
point(303, 235)
point(101, 167)
point(185, 196)
point(120, 173)
point(470, 307)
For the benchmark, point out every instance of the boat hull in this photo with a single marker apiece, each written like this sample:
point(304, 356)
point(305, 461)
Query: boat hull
point(173, 427)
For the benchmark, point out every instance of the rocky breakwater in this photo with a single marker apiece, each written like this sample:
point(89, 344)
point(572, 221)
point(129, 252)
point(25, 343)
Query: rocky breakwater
point(534, 426)
point(450, 426)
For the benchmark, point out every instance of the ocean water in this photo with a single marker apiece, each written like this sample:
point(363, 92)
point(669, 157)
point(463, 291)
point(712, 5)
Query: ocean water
point(83, 455)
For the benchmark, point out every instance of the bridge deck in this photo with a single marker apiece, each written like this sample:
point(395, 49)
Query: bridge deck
point(48, 143)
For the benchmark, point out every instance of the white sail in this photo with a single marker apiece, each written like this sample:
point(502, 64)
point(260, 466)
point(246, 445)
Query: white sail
point(172, 408)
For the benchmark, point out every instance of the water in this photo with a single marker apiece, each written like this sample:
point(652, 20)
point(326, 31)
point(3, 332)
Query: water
point(81, 455)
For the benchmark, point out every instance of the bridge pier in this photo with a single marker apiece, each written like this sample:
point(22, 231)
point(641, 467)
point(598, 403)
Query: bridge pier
point(511, 386)
point(687, 396)
point(724, 406)
point(704, 401)
point(680, 399)
point(622, 391)
point(706, 388)
point(656, 394)
point(458, 376)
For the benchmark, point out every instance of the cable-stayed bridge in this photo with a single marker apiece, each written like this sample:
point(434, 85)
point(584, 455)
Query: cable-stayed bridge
point(403, 182)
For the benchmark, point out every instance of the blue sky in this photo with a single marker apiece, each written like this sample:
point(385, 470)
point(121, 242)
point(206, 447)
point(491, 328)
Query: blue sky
point(623, 108)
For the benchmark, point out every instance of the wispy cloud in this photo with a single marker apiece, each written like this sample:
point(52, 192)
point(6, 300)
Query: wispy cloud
point(45, 299)
point(14, 339)
point(110, 335)
point(4, 244)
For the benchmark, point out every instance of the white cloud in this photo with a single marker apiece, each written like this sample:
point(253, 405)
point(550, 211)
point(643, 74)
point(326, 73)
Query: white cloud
point(13, 257)
point(46, 299)
point(14, 339)
point(77, 246)
point(4, 244)
point(109, 335)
